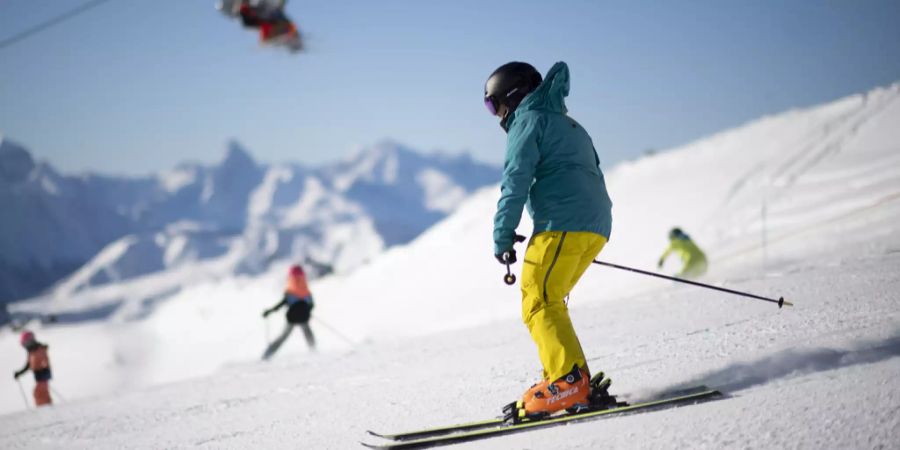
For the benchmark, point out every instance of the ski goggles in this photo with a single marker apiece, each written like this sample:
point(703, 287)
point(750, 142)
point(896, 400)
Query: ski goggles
point(491, 104)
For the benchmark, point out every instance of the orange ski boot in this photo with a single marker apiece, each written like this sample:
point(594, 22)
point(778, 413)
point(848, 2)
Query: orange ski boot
point(511, 410)
point(571, 392)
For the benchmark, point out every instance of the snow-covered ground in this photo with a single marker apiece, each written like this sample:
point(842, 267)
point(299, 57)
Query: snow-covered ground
point(805, 204)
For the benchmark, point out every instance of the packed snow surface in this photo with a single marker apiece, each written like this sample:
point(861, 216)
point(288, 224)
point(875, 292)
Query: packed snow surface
point(805, 205)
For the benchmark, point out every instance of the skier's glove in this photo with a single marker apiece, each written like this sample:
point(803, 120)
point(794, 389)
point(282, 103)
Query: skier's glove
point(659, 264)
point(509, 256)
point(266, 313)
point(17, 374)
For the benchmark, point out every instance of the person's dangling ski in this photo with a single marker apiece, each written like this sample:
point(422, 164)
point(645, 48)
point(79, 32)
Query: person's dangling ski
point(551, 165)
point(299, 301)
point(39, 364)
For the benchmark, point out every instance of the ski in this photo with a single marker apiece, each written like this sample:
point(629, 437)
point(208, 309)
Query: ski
point(438, 431)
point(496, 427)
point(599, 382)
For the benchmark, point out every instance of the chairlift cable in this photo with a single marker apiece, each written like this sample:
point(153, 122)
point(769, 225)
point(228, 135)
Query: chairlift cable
point(51, 22)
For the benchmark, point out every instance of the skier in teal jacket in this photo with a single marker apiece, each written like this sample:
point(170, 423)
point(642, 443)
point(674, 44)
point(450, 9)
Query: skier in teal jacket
point(549, 169)
point(552, 167)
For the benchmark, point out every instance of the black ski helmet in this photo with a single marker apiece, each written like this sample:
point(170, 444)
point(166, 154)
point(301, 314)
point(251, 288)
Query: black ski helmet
point(508, 85)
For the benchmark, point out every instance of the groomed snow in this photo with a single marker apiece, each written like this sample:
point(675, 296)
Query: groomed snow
point(434, 336)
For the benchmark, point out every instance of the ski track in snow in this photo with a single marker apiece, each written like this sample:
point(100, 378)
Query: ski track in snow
point(438, 341)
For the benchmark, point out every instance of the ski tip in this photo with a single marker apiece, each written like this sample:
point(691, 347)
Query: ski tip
point(372, 433)
point(782, 302)
point(686, 391)
point(366, 444)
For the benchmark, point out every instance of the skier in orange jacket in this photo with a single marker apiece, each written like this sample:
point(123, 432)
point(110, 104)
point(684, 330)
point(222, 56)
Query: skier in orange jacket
point(39, 364)
point(299, 301)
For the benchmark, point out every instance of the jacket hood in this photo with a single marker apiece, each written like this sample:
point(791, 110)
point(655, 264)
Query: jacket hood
point(551, 93)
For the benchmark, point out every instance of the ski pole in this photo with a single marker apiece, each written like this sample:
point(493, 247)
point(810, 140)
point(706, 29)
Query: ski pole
point(22, 390)
point(336, 332)
point(781, 301)
point(509, 278)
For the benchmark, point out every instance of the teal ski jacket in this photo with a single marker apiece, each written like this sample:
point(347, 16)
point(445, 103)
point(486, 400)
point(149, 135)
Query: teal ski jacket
point(551, 167)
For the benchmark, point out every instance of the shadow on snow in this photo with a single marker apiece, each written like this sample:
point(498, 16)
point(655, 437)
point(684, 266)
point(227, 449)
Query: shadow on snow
point(793, 362)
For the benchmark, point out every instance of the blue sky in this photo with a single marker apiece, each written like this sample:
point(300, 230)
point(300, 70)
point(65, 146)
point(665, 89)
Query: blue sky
point(135, 86)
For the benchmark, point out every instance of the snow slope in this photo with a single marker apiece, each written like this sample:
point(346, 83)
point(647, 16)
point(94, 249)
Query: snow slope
point(835, 387)
point(805, 204)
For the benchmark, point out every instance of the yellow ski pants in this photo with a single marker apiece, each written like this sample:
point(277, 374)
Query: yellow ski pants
point(554, 262)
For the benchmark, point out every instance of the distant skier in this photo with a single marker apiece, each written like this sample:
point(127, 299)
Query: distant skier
point(269, 17)
point(552, 167)
point(300, 304)
point(39, 364)
point(693, 260)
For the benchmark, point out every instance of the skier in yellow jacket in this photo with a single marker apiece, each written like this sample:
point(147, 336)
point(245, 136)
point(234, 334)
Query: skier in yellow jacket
point(693, 260)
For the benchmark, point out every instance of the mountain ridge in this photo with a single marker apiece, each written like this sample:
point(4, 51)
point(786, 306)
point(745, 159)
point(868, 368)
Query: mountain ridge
point(254, 212)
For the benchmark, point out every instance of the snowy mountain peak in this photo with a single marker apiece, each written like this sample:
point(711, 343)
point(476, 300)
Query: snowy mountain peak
point(377, 163)
point(391, 163)
point(237, 156)
point(385, 148)
point(15, 162)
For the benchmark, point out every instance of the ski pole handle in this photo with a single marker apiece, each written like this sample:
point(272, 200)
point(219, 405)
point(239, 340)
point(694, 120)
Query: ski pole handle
point(509, 278)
